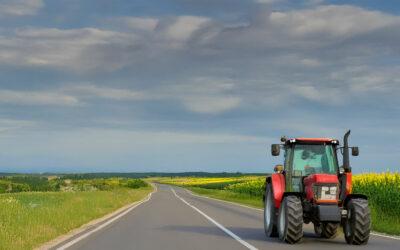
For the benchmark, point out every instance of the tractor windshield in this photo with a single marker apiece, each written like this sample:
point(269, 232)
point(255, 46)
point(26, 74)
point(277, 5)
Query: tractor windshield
point(313, 159)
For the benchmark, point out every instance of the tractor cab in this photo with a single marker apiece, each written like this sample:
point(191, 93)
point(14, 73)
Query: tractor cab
point(308, 157)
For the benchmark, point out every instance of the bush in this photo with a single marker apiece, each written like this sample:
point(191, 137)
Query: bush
point(135, 183)
point(4, 186)
point(19, 187)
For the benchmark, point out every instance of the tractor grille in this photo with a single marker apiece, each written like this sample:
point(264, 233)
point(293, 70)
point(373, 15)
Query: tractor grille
point(326, 193)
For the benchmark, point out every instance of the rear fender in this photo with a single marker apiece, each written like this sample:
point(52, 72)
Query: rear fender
point(277, 181)
point(346, 185)
point(349, 183)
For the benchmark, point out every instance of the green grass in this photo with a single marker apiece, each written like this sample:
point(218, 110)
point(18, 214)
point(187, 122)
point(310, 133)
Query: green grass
point(229, 196)
point(30, 219)
point(384, 223)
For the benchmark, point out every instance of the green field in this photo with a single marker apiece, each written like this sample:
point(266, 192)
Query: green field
point(29, 219)
point(383, 191)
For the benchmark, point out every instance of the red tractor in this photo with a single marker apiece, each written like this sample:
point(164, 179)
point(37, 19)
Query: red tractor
point(311, 187)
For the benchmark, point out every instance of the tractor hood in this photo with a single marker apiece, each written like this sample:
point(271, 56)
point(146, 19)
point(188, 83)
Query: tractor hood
point(322, 188)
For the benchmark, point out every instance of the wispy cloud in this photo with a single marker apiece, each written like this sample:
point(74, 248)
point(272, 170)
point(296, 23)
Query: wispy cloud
point(90, 90)
point(75, 49)
point(37, 98)
point(20, 7)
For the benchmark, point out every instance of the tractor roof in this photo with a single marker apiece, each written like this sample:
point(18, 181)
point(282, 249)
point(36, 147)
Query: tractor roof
point(315, 140)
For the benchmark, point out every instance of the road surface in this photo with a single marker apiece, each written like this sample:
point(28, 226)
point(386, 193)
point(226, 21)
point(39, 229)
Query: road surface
point(175, 219)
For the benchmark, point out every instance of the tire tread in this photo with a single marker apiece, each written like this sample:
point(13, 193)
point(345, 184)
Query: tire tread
point(294, 220)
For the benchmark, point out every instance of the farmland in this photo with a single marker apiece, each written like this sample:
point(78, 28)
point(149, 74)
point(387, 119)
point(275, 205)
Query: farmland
point(30, 218)
point(383, 191)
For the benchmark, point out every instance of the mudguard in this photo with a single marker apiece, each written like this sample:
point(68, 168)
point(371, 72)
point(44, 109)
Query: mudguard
point(346, 185)
point(277, 181)
point(349, 187)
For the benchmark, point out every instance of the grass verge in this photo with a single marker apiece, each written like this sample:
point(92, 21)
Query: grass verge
point(228, 196)
point(30, 219)
point(384, 223)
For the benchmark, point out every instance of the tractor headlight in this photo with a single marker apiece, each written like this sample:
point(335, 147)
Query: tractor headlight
point(327, 193)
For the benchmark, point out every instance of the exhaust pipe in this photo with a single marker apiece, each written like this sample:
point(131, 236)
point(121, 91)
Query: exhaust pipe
point(346, 157)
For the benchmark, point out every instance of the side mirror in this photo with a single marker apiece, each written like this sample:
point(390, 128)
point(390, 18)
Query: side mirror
point(278, 168)
point(354, 151)
point(275, 149)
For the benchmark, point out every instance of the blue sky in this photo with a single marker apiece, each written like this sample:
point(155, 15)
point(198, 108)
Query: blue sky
point(185, 85)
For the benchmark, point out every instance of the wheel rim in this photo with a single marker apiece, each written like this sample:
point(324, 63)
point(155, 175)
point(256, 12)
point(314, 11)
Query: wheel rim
point(268, 209)
point(318, 229)
point(282, 220)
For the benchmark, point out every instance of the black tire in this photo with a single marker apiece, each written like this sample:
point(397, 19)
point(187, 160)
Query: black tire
point(327, 230)
point(357, 226)
point(269, 213)
point(290, 220)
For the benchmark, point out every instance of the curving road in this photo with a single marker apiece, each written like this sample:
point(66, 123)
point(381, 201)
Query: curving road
point(175, 219)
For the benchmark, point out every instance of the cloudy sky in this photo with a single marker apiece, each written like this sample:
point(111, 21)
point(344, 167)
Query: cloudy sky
point(194, 85)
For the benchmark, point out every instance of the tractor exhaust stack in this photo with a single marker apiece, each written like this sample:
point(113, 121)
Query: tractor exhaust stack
point(346, 157)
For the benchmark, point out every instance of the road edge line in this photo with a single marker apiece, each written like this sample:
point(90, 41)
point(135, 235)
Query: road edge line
point(227, 231)
point(229, 202)
point(100, 222)
point(393, 237)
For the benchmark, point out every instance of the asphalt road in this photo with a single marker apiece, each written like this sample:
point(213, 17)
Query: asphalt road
point(174, 219)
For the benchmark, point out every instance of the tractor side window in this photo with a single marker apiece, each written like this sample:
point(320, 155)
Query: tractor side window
point(288, 152)
point(310, 159)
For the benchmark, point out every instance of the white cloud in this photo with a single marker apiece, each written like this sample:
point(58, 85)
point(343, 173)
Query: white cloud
point(20, 7)
point(205, 95)
point(323, 94)
point(106, 92)
point(331, 20)
point(211, 104)
point(184, 26)
point(72, 49)
point(8, 125)
point(268, 1)
point(139, 23)
point(309, 62)
point(37, 98)
point(367, 79)
point(201, 95)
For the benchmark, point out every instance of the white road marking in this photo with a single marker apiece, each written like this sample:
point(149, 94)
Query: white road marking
point(229, 202)
point(386, 236)
point(73, 242)
point(227, 231)
point(258, 209)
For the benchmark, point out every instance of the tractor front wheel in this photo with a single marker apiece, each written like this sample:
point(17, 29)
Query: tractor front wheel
point(290, 220)
point(327, 230)
point(357, 226)
point(269, 213)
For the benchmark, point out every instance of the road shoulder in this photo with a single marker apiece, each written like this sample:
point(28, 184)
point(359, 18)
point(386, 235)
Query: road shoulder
point(94, 225)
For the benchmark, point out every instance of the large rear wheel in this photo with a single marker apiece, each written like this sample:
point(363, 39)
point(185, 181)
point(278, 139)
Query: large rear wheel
point(269, 213)
point(290, 220)
point(327, 230)
point(357, 226)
